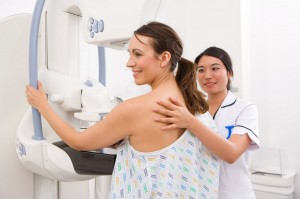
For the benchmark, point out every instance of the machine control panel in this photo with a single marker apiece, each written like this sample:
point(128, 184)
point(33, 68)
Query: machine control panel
point(95, 26)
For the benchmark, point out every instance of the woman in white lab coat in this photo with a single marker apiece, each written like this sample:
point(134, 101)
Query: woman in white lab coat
point(236, 119)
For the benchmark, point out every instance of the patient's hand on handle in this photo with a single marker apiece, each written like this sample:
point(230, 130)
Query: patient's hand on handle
point(176, 115)
point(36, 97)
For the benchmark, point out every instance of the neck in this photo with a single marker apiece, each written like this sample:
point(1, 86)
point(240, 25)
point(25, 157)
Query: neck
point(162, 80)
point(215, 100)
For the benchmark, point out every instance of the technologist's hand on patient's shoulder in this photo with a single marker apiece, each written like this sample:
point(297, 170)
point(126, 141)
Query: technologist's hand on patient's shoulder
point(175, 114)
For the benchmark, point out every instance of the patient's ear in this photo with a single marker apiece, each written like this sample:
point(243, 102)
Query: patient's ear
point(165, 59)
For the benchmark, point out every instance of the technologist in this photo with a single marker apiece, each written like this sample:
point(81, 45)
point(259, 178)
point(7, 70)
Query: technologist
point(236, 119)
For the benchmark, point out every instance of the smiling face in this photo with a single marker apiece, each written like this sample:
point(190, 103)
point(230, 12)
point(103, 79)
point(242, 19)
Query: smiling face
point(212, 75)
point(143, 61)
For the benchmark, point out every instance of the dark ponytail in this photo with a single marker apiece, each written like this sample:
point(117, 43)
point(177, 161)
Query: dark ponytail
point(164, 38)
point(186, 80)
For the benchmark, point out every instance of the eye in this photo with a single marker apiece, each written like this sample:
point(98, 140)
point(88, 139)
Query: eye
point(138, 54)
point(199, 70)
point(215, 68)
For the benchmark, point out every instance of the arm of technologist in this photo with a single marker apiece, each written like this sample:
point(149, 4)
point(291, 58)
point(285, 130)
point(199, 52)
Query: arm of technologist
point(103, 134)
point(176, 115)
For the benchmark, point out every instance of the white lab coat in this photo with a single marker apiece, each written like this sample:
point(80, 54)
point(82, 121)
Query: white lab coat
point(235, 182)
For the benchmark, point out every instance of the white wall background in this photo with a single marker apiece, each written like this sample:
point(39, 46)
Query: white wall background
point(15, 181)
point(272, 46)
point(215, 23)
point(12, 7)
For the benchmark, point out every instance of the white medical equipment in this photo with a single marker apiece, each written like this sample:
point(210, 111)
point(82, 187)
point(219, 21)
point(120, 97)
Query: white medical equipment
point(76, 98)
point(269, 174)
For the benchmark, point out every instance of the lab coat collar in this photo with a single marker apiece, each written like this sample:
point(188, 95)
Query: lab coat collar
point(229, 100)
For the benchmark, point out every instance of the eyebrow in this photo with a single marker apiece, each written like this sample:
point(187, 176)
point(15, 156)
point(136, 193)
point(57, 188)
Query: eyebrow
point(214, 64)
point(134, 50)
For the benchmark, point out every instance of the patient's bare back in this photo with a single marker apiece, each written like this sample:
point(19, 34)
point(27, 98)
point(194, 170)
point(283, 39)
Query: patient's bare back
point(147, 134)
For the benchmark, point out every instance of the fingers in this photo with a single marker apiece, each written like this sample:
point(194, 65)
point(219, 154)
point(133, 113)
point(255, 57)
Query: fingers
point(28, 87)
point(166, 121)
point(40, 86)
point(175, 105)
point(163, 120)
point(27, 91)
point(30, 90)
point(176, 102)
point(165, 104)
point(34, 96)
point(171, 106)
point(165, 112)
point(172, 126)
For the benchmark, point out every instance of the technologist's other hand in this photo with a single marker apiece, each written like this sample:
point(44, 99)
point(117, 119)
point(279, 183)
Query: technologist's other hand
point(36, 97)
point(176, 115)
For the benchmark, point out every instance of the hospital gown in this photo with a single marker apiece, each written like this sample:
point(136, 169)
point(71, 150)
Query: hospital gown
point(185, 169)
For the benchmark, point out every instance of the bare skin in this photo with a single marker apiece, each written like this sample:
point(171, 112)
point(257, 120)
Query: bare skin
point(132, 118)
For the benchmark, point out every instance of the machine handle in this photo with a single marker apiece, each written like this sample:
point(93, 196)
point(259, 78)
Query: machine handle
point(33, 69)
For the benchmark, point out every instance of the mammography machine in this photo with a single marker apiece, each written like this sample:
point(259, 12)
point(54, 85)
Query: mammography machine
point(63, 28)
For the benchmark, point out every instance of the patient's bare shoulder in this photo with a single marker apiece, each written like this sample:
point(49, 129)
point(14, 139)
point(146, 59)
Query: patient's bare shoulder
point(132, 108)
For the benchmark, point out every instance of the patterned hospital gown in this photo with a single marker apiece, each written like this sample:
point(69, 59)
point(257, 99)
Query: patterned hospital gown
point(185, 169)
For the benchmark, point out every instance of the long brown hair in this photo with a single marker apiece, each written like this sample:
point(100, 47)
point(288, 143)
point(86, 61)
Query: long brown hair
point(164, 38)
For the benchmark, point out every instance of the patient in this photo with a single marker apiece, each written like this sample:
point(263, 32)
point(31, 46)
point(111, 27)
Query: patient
point(150, 162)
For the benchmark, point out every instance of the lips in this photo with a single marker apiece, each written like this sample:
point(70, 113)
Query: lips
point(209, 83)
point(135, 72)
